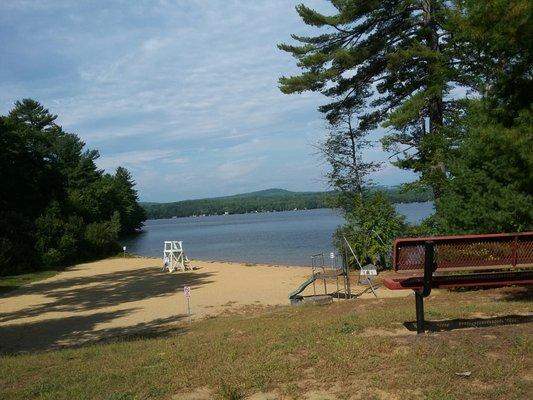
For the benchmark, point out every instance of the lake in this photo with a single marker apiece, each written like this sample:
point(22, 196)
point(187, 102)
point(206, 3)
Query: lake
point(285, 238)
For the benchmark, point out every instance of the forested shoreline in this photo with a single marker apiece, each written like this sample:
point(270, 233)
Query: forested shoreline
point(445, 86)
point(56, 206)
point(270, 200)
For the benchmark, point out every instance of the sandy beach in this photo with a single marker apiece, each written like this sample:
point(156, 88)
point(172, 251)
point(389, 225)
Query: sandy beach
point(115, 297)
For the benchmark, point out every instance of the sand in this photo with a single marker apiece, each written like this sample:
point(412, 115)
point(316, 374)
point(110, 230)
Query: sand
point(117, 297)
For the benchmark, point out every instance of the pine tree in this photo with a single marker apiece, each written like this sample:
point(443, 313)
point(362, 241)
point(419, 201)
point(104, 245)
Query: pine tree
point(131, 213)
point(490, 187)
point(495, 41)
point(394, 61)
point(56, 206)
point(342, 149)
point(32, 114)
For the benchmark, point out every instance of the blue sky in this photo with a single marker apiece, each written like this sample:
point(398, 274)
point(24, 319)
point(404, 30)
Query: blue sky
point(183, 93)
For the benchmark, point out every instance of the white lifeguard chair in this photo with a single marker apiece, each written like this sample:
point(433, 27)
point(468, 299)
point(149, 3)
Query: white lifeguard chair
point(174, 257)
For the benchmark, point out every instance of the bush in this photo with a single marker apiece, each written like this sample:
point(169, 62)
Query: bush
point(101, 237)
point(372, 225)
point(17, 252)
point(52, 258)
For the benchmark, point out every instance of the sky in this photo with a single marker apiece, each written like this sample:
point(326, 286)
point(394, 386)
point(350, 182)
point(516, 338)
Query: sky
point(183, 93)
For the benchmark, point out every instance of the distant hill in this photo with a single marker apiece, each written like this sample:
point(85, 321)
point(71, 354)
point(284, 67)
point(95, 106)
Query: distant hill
point(263, 200)
point(267, 193)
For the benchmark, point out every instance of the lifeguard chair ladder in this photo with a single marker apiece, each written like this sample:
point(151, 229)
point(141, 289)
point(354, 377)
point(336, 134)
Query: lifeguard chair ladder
point(174, 257)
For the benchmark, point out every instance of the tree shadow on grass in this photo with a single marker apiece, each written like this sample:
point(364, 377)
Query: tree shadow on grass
point(53, 334)
point(462, 323)
point(518, 294)
point(87, 293)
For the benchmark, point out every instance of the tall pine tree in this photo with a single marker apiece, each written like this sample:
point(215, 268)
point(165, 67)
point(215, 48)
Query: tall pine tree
point(56, 206)
point(490, 187)
point(393, 61)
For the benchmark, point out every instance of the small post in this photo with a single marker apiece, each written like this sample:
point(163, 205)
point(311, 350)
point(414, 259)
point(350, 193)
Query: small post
point(419, 312)
point(124, 250)
point(313, 264)
point(187, 292)
point(346, 270)
point(429, 268)
point(189, 309)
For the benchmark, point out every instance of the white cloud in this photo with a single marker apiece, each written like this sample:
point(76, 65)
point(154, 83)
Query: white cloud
point(237, 169)
point(138, 157)
point(183, 92)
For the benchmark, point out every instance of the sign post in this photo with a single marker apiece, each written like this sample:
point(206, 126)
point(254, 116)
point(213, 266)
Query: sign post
point(124, 249)
point(187, 292)
point(369, 271)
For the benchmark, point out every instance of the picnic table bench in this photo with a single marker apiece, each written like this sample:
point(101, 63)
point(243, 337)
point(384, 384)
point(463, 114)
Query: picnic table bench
point(491, 260)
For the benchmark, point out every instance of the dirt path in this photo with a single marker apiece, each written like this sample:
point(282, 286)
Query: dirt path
point(125, 296)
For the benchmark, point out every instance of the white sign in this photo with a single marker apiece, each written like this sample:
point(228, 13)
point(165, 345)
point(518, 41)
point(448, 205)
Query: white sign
point(124, 248)
point(371, 272)
point(187, 291)
point(332, 255)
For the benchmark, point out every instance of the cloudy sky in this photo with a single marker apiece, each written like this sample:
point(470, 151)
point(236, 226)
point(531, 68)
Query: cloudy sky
point(183, 93)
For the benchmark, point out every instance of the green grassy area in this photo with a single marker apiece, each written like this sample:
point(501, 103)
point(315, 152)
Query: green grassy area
point(347, 350)
point(12, 282)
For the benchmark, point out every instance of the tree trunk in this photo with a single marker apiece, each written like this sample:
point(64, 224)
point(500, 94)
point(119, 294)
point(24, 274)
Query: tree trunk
point(435, 102)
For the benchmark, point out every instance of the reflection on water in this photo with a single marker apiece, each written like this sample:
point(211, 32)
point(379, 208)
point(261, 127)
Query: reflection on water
point(286, 238)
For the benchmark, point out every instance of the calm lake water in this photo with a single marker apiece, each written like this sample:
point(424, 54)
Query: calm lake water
point(286, 238)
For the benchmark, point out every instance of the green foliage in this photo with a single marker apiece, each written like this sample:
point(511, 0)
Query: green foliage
point(269, 200)
point(55, 205)
point(495, 40)
point(394, 63)
point(490, 189)
point(131, 213)
point(101, 237)
point(397, 64)
point(372, 225)
point(343, 150)
point(58, 238)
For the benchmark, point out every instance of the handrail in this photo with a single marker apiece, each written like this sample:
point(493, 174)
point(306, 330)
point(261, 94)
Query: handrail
point(351, 250)
point(360, 266)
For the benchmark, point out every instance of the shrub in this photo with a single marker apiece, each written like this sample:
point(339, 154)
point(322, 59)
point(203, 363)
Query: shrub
point(101, 237)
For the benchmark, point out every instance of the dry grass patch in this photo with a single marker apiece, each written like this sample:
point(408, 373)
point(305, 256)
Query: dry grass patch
point(347, 350)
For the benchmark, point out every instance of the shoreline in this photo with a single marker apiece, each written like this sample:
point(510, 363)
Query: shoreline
point(213, 261)
point(271, 212)
point(115, 297)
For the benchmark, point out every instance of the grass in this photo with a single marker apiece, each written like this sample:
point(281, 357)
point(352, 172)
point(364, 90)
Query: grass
point(12, 282)
point(350, 349)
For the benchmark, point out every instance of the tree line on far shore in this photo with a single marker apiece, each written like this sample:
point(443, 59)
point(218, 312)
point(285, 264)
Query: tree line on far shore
point(56, 206)
point(270, 200)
